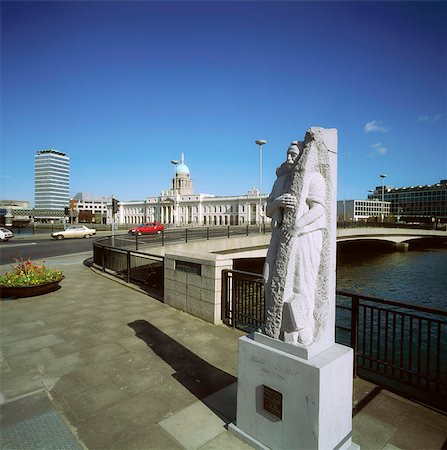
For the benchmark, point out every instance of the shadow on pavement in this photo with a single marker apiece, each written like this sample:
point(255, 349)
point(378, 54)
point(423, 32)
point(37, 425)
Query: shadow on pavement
point(199, 377)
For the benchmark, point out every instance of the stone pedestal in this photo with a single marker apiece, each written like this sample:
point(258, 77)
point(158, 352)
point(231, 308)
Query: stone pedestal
point(285, 401)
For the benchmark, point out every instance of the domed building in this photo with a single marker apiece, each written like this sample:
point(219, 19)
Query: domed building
point(182, 182)
point(180, 206)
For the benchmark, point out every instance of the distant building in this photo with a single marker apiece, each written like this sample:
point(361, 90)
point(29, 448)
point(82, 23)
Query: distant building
point(89, 208)
point(361, 210)
point(15, 204)
point(416, 203)
point(179, 206)
point(51, 180)
point(14, 210)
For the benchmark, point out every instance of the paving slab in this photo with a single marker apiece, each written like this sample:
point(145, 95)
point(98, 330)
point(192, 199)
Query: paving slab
point(128, 418)
point(153, 437)
point(371, 433)
point(416, 435)
point(225, 441)
point(95, 399)
point(179, 426)
point(30, 345)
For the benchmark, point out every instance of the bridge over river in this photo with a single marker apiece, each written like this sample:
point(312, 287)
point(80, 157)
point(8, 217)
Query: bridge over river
point(399, 236)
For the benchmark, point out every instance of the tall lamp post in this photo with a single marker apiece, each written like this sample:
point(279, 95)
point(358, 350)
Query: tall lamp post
point(383, 176)
point(260, 142)
point(174, 162)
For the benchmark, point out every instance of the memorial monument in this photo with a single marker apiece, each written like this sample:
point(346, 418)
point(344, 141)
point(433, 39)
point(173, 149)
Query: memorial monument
point(294, 381)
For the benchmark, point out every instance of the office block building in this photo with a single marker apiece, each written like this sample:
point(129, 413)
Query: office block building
point(51, 180)
point(89, 208)
point(416, 203)
point(361, 210)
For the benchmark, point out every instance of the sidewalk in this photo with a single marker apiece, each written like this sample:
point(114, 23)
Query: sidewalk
point(108, 367)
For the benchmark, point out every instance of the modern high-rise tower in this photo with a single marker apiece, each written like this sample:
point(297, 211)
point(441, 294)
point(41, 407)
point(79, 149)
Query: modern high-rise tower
point(51, 180)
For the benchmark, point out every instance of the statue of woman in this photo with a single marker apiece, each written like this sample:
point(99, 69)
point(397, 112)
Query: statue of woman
point(297, 206)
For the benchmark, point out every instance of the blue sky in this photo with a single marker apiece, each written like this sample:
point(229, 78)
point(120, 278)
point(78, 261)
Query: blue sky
point(124, 87)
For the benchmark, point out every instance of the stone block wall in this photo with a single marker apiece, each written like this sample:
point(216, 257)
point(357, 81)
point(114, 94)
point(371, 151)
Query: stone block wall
point(196, 294)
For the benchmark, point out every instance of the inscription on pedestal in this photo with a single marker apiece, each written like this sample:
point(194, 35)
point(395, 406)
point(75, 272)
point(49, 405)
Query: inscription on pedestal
point(273, 402)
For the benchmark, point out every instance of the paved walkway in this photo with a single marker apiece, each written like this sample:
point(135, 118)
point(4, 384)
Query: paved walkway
point(111, 368)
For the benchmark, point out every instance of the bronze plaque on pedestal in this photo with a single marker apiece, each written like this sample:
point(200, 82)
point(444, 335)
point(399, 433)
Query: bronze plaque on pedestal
point(273, 402)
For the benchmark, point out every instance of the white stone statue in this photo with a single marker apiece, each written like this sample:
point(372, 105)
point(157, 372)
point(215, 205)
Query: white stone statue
point(297, 263)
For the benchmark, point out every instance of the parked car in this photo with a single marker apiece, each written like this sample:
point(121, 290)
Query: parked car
point(5, 234)
point(147, 228)
point(79, 231)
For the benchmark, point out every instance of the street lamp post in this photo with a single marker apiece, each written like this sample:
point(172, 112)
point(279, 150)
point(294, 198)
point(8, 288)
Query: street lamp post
point(174, 162)
point(383, 193)
point(260, 142)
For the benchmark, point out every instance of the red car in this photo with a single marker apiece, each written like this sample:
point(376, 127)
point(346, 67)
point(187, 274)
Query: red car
point(147, 228)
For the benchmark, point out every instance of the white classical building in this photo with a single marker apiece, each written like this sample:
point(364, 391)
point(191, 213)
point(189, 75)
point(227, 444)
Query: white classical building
point(179, 206)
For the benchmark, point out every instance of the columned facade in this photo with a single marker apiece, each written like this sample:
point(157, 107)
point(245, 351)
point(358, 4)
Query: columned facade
point(179, 206)
point(193, 210)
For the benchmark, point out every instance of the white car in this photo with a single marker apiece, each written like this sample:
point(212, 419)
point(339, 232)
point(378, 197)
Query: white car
point(5, 234)
point(79, 231)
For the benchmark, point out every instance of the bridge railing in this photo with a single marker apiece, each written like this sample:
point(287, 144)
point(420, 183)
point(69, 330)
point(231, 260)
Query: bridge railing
point(142, 269)
point(177, 235)
point(399, 345)
point(408, 226)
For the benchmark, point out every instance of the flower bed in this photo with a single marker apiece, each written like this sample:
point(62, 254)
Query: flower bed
point(27, 278)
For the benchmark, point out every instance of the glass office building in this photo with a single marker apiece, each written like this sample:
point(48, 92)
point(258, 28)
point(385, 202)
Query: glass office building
point(416, 202)
point(51, 180)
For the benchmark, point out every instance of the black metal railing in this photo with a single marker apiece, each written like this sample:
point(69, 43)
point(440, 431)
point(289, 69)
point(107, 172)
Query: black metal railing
point(396, 344)
point(178, 235)
point(402, 343)
point(242, 299)
point(142, 269)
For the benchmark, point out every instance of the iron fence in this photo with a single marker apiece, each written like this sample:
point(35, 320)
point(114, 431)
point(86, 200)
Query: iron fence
point(243, 304)
point(176, 235)
point(143, 269)
point(399, 345)
point(402, 343)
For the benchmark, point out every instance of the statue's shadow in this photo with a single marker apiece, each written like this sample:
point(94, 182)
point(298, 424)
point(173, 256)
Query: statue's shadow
point(216, 388)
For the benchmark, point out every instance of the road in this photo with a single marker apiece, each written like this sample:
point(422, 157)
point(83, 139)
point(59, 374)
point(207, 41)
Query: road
point(41, 248)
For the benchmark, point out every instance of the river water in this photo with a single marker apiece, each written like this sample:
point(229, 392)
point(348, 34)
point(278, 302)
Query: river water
point(418, 276)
